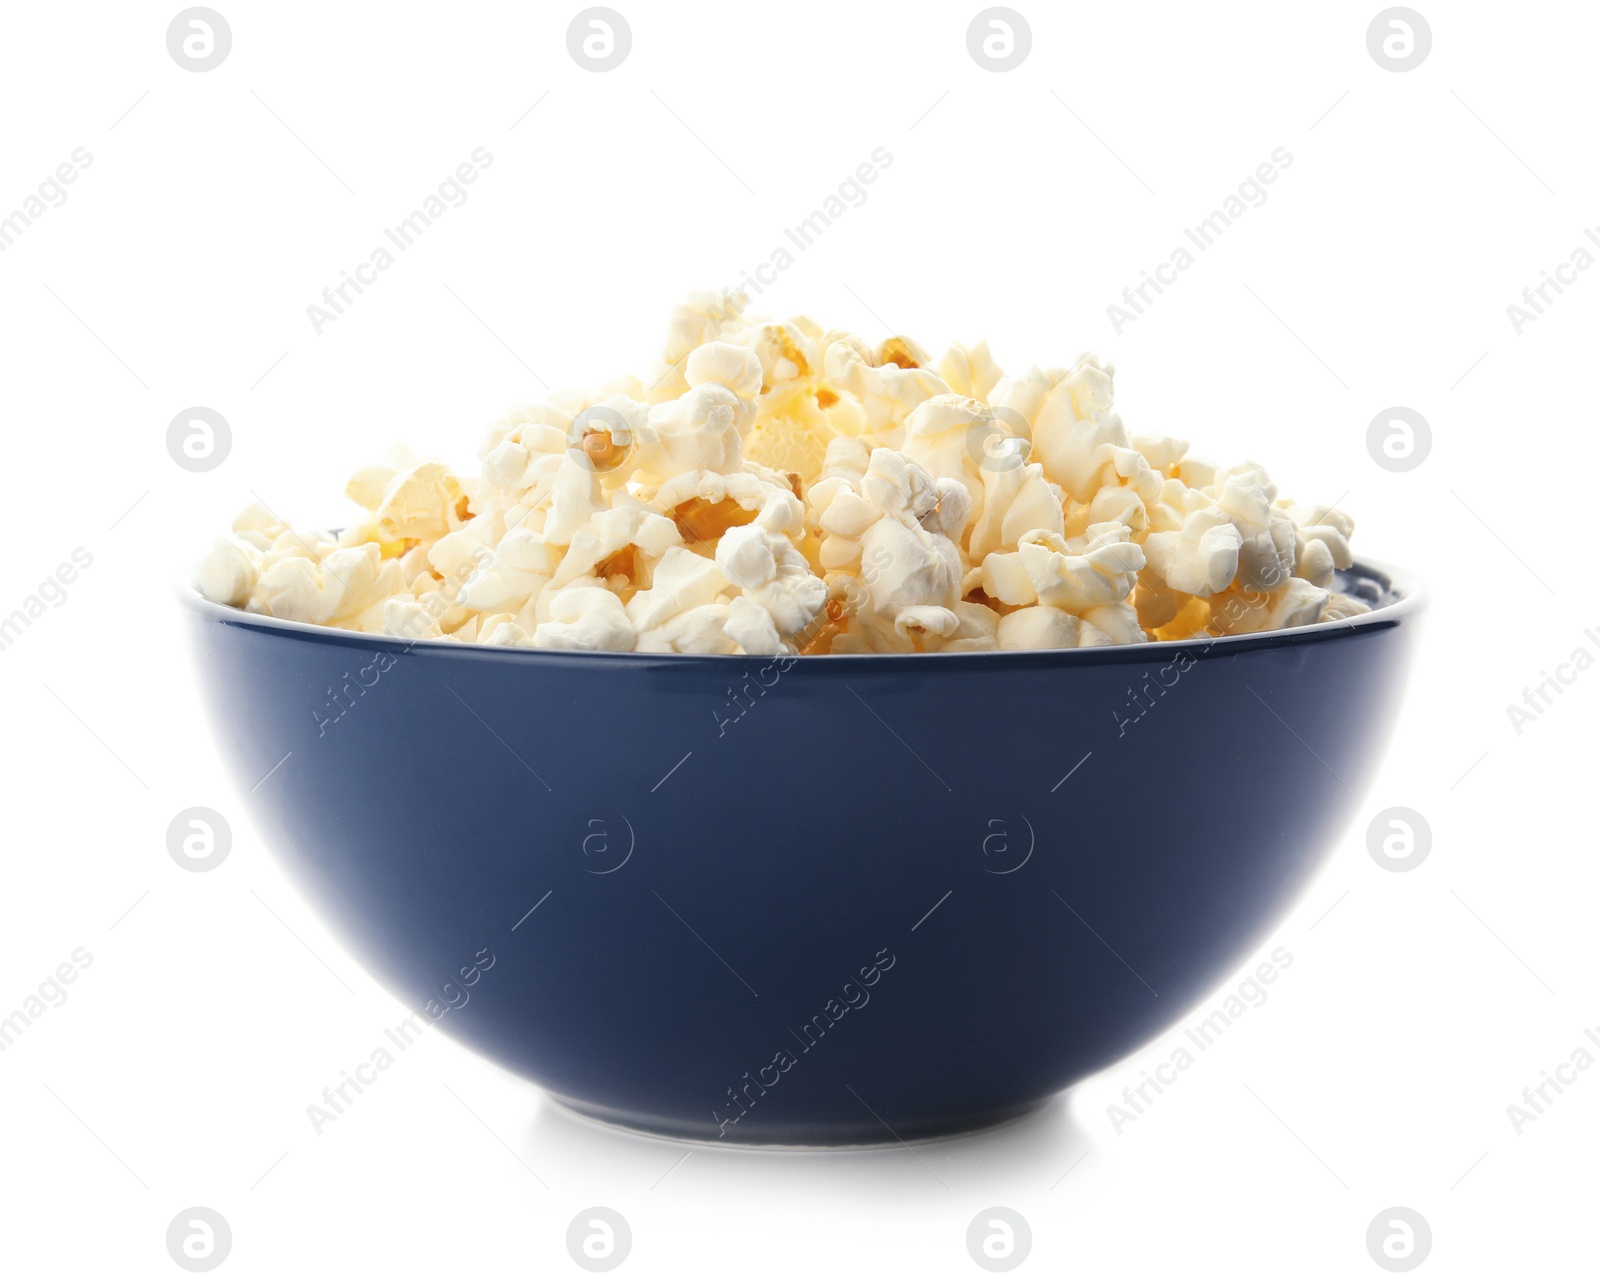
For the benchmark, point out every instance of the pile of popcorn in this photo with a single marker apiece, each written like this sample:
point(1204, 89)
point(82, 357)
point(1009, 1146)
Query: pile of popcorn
point(775, 487)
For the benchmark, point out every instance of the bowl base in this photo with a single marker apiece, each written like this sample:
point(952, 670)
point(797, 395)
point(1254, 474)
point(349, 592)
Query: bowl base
point(800, 1137)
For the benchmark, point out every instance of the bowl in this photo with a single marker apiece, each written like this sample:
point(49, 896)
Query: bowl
point(804, 901)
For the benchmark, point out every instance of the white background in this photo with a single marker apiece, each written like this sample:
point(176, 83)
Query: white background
point(219, 205)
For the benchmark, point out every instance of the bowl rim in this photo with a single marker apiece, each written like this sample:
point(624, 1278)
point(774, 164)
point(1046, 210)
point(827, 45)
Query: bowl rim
point(1412, 596)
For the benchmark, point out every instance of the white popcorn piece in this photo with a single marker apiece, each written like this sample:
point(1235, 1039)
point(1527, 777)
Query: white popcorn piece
point(1117, 503)
point(951, 512)
point(702, 430)
point(1163, 453)
point(926, 621)
point(519, 566)
point(506, 635)
point(228, 573)
point(903, 352)
point(768, 569)
point(1201, 558)
point(1082, 393)
point(506, 464)
point(839, 555)
point(1322, 542)
point(702, 629)
point(886, 393)
point(1267, 550)
point(368, 486)
point(575, 498)
point(898, 487)
point(905, 562)
point(258, 520)
point(976, 629)
point(410, 619)
point(604, 438)
point(970, 371)
point(422, 502)
point(682, 581)
point(945, 436)
point(701, 318)
point(1100, 571)
point(459, 553)
point(1241, 612)
point(751, 627)
point(1041, 626)
point(525, 452)
point(903, 565)
point(1074, 574)
point(1001, 577)
point(844, 465)
point(1016, 501)
point(611, 532)
point(848, 514)
point(787, 354)
point(1339, 608)
point(535, 424)
point(1113, 624)
point(1081, 444)
point(1197, 473)
point(588, 618)
point(736, 368)
point(773, 506)
point(320, 590)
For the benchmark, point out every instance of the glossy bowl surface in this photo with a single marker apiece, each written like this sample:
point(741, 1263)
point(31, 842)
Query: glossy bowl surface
point(817, 901)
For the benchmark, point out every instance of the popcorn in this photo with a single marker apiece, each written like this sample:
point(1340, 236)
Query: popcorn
point(682, 581)
point(1200, 557)
point(258, 525)
point(939, 437)
point(575, 497)
point(325, 588)
point(705, 504)
point(228, 573)
point(1267, 550)
point(1340, 607)
point(702, 629)
point(886, 393)
point(516, 569)
point(616, 540)
point(736, 368)
point(771, 573)
point(1322, 542)
point(420, 503)
point(506, 634)
point(774, 487)
point(922, 622)
point(1240, 612)
point(699, 431)
point(586, 617)
point(1043, 626)
point(1017, 500)
point(751, 627)
point(785, 355)
point(907, 556)
point(702, 318)
point(1098, 568)
point(970, 371)
point(1081, 444)
point(976, 629)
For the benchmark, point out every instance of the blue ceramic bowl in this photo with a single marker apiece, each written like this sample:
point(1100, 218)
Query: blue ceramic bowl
point(804, 901)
